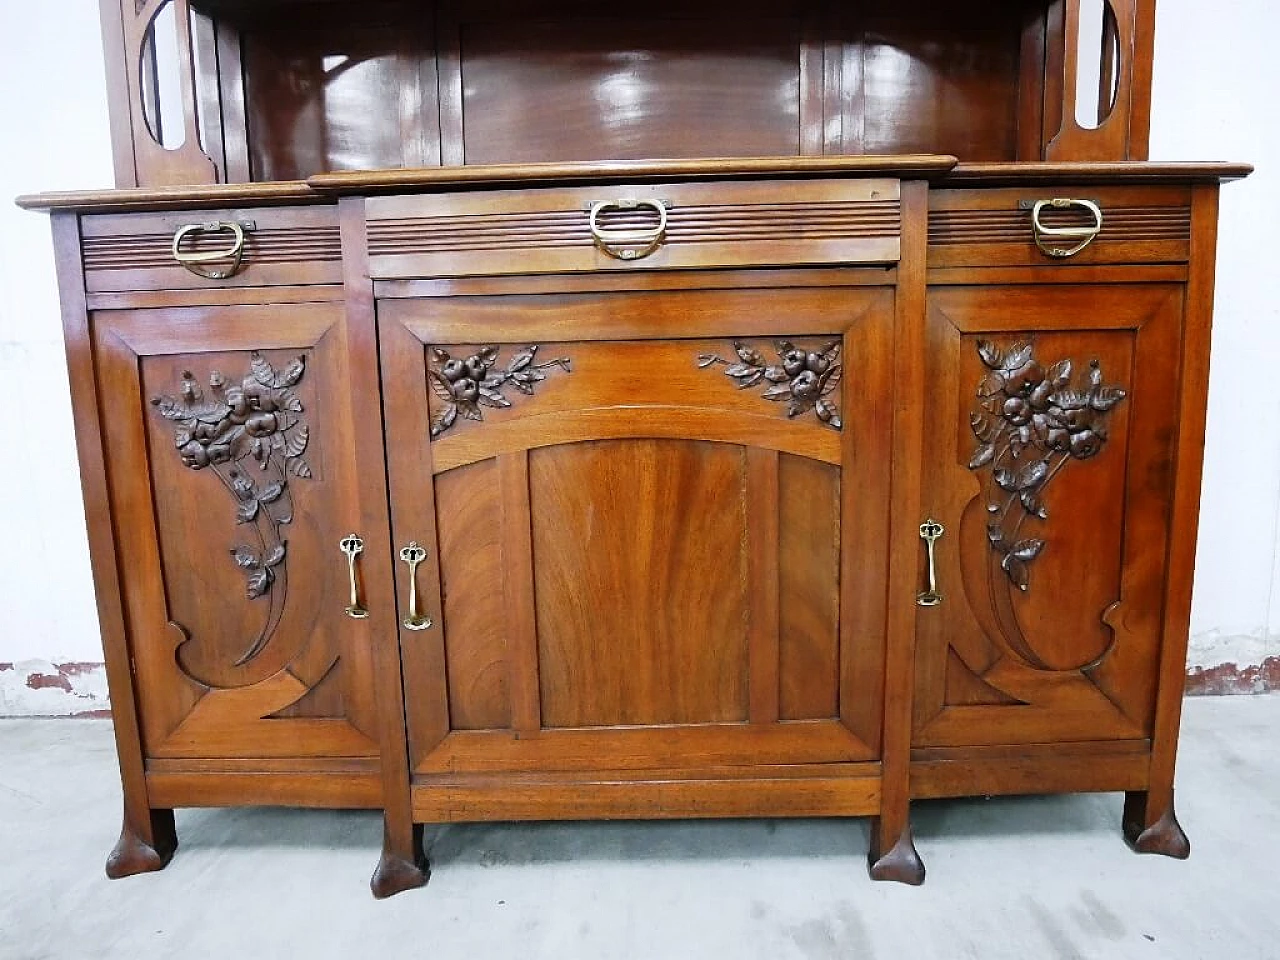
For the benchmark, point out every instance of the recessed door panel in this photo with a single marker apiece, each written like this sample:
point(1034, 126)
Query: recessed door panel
point(1050, 425)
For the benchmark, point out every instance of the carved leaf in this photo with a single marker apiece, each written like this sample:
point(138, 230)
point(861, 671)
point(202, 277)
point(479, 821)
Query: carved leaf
point(750, 380)
point(1019, 354)
point(300, 468)
point(1027, 549)
point(259, 583)
point(291, 373)
point(440, 386)
point(831, 352)
point(776, 375)
point(275, 557)
point(995, 532)
point(781, 391)
point(523, 386)
point(741, 370)
point(487, 355)
point(444, 419)
point(832, 379)
point(245, 558)
point(296, 442)
point(181, 438)
point(439, 356)
point(271, 493)
point(1032, 504)
point(991, 354)
point(492, 398)
point(1070, 399)
point(986, 453)
point(1017, 571)
point(1032, 475)
point(469, 409)
point(749, 355)
point(262, 369)
point(991, 386)
point(1005, 479)
point(521, 359)
point(1060, 373)
point(247, 512)
point(796, 407)
point(1106, 398)
point(707, 359)
point(984, 428)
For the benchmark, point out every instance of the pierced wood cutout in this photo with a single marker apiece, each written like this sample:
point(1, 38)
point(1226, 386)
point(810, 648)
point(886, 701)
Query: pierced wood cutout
point(1030, 424)
point(250, 435)
point(466, 385)
point(801, 378)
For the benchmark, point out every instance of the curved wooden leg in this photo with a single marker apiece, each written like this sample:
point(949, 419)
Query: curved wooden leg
point(894, 857)
point(143, 847)
point(402, 866)
point(1150, 825)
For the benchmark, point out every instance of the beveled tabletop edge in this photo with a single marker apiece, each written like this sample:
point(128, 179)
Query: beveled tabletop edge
point(326, 187)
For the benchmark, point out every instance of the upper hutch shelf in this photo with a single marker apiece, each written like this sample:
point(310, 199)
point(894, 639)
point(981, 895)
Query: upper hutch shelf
point(229, 91)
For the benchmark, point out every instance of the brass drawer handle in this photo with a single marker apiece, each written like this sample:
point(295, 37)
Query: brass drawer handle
point(200, 263)
point(628, 244)
point(1077, 237)
point(930, 532)
point(413, 555)
point(353, 546)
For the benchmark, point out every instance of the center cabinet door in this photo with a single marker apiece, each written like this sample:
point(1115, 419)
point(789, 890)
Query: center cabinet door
point(652, 524)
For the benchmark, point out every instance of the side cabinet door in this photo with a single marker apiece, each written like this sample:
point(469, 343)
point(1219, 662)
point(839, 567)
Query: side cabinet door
point(643, 552)
point(227, 436)
point(1049, 435)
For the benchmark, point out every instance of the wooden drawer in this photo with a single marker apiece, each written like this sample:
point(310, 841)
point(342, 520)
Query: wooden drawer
point(283, 245)
point(993, 228)
point(707, 225)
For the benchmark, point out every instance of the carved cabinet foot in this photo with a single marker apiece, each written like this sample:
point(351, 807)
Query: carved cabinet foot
point(143, 851)
point(1154, 831)
point(398, 870)
point(901, 863)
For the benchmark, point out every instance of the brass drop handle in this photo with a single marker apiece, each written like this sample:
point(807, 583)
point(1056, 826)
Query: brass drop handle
point(353, 546)
point(413, 555)
point(628, 244)
point(200, 263)
point(930, 532)
point(1077, 238)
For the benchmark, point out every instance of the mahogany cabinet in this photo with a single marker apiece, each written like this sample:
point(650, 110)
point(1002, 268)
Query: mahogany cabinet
point(530, 477)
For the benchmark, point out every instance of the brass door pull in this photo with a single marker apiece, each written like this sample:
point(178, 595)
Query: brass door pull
point(200, 263)
point(930, 532)
point(628, 244)
point(353, 546)
point(1077, 238)
point(413, 555)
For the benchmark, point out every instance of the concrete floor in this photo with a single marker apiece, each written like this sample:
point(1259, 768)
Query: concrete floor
point(1045, 877)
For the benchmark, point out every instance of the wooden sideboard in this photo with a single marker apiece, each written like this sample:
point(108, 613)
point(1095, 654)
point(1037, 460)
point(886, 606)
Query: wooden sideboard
point(594, 486)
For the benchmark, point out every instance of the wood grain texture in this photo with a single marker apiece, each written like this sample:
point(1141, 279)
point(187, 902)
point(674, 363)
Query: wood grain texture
point(642, 606)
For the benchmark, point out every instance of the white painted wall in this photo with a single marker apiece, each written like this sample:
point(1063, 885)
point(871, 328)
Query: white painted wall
point(1217, 77)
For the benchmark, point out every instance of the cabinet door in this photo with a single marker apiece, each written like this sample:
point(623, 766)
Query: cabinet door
point(658, 535)
point(1049, 434)
point(228, 435)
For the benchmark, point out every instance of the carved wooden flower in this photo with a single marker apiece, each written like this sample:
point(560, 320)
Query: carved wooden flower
point(801, 378)
point(259, 419)
point(465, 385)
point(1032, 422)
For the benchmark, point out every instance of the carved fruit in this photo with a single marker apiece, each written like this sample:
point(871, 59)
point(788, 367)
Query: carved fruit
point(806, 386)
point(1024, 380)
point(817, 363)
point(475, 368)
point(1017, 411)
point(194, 456)
point(1085, 444)
point(454, 370)
point(261, 425)
point(793, 362)
point(466, 389)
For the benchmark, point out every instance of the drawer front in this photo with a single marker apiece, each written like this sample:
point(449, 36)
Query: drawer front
point(637, 227)
point(994, 228)
point(282, 245)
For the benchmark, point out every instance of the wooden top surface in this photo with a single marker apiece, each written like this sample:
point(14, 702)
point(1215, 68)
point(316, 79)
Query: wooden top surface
point(326, 187)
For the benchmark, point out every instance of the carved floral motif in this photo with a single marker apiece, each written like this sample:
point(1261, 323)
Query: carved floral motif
point(801, 378)
point(468, 384)
point(256, 422)
point(1032, 422)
